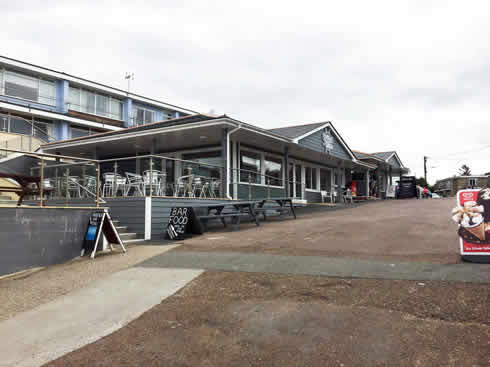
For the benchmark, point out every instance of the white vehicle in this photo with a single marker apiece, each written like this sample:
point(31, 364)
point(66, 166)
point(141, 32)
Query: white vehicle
point(435, 196)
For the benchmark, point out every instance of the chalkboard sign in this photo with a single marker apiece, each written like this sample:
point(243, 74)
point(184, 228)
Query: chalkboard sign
point(94, 225)
point(100, 222)
point(179, 222)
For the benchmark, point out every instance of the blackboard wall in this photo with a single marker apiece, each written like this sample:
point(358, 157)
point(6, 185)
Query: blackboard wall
point(40, 236)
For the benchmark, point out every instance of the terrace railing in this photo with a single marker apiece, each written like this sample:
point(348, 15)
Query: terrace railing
point(75, 181)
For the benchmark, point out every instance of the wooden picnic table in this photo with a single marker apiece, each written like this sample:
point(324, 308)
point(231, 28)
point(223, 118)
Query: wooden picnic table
point(29, 185)
point(240, 208)
point(285, 205)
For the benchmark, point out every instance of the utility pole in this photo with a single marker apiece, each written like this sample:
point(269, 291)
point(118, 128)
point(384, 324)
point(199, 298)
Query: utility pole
point(425, 168)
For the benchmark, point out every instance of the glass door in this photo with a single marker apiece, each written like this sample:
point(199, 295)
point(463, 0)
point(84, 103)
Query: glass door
point(291, 183)
point(298, 192)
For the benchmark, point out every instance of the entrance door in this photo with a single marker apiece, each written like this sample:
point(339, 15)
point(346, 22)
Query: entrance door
point(298, 192)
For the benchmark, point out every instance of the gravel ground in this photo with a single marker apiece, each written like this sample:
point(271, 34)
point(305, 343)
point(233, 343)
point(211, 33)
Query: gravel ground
point(403, 230)
point(242, 319)
point(26, 291)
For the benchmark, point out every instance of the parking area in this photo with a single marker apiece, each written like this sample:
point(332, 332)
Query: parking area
point(402, 230)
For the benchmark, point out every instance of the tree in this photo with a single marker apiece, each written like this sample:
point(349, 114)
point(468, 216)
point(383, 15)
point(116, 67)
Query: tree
point(421, 182)
point(487, 174)
point(464, 170)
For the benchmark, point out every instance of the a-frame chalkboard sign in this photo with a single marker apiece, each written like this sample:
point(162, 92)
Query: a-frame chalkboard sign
point(100, 222)
point(182, 221)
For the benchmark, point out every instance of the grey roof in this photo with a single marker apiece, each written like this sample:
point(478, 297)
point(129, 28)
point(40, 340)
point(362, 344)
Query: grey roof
point(361, 155)
point(295, 131)
point(384, 155)
point(154, 125)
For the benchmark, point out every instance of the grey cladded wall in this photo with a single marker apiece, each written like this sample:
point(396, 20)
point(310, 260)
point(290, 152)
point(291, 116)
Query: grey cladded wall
point(256, 192)
point(35, 237)
point(314, 142)
point(160, 211)
point(313, 197)
point(394, 162)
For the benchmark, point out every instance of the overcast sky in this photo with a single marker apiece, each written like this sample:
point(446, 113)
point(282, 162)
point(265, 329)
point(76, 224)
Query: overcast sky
point(412, 77)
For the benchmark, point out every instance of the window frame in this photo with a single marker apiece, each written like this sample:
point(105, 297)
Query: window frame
point(145, 112)
point(262, 155)
point(109, 113)
point(37, 79)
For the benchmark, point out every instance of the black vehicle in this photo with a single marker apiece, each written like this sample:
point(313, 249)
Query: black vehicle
point(407, 188)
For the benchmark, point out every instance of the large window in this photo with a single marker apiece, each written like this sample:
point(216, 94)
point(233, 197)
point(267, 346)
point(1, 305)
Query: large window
point(205, 164)
point(311, 178)
point(143, 116)
point(22, 86)
point(250, 167)
point(273, 170)
point(97, 104)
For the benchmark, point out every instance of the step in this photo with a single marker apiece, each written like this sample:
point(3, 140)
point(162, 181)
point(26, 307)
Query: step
point(122, 229)
point(134, 240)
point(127, 236)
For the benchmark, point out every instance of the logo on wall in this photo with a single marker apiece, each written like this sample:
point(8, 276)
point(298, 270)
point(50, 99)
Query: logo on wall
point(327, 140)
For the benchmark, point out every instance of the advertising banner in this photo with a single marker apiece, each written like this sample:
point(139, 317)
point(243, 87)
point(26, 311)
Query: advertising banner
point(473, 218)
point(353, 188)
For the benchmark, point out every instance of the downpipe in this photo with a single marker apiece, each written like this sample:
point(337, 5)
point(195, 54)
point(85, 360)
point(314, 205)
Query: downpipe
point(228, 134)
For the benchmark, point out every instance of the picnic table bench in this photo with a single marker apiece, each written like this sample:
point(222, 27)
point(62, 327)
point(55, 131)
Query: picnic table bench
point(240, 208)
point(285, 205)
point(28, 185)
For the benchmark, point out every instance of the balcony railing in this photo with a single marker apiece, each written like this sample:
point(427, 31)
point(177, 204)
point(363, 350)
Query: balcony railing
point(17, 125)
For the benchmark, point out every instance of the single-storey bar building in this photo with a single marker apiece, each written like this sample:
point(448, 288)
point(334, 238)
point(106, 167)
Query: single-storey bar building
point(297, 161)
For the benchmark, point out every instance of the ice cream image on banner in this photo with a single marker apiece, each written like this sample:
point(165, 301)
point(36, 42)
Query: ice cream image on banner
point(471, 217)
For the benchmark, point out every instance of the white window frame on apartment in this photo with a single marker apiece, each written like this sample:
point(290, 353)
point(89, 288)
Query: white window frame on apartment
point(145, 111)
point(262, 166)
point(4, 72)
point(472, 181)
point(108, 114)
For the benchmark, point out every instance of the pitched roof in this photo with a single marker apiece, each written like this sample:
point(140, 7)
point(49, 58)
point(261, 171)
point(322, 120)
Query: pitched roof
point(384, 155)
point(296, 130)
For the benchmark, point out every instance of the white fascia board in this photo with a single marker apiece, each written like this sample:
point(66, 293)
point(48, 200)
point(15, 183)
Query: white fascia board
point(57, 116)
point(337, 135)
point(136, 134)
point(397, 158)
point(90, 84)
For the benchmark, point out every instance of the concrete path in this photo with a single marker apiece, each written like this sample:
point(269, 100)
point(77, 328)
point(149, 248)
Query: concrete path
point(316, 265)
point(84, 316)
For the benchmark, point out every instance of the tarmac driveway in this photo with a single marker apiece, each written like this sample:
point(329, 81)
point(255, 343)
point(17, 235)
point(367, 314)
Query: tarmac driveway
point(402, 230)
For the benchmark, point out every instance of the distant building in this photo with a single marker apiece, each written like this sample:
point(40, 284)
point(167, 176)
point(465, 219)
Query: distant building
point(40, 105)
point(451, 185)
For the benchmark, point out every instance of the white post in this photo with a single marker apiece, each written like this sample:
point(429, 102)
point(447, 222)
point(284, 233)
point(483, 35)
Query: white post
point(147, 218)
point(367, 183)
